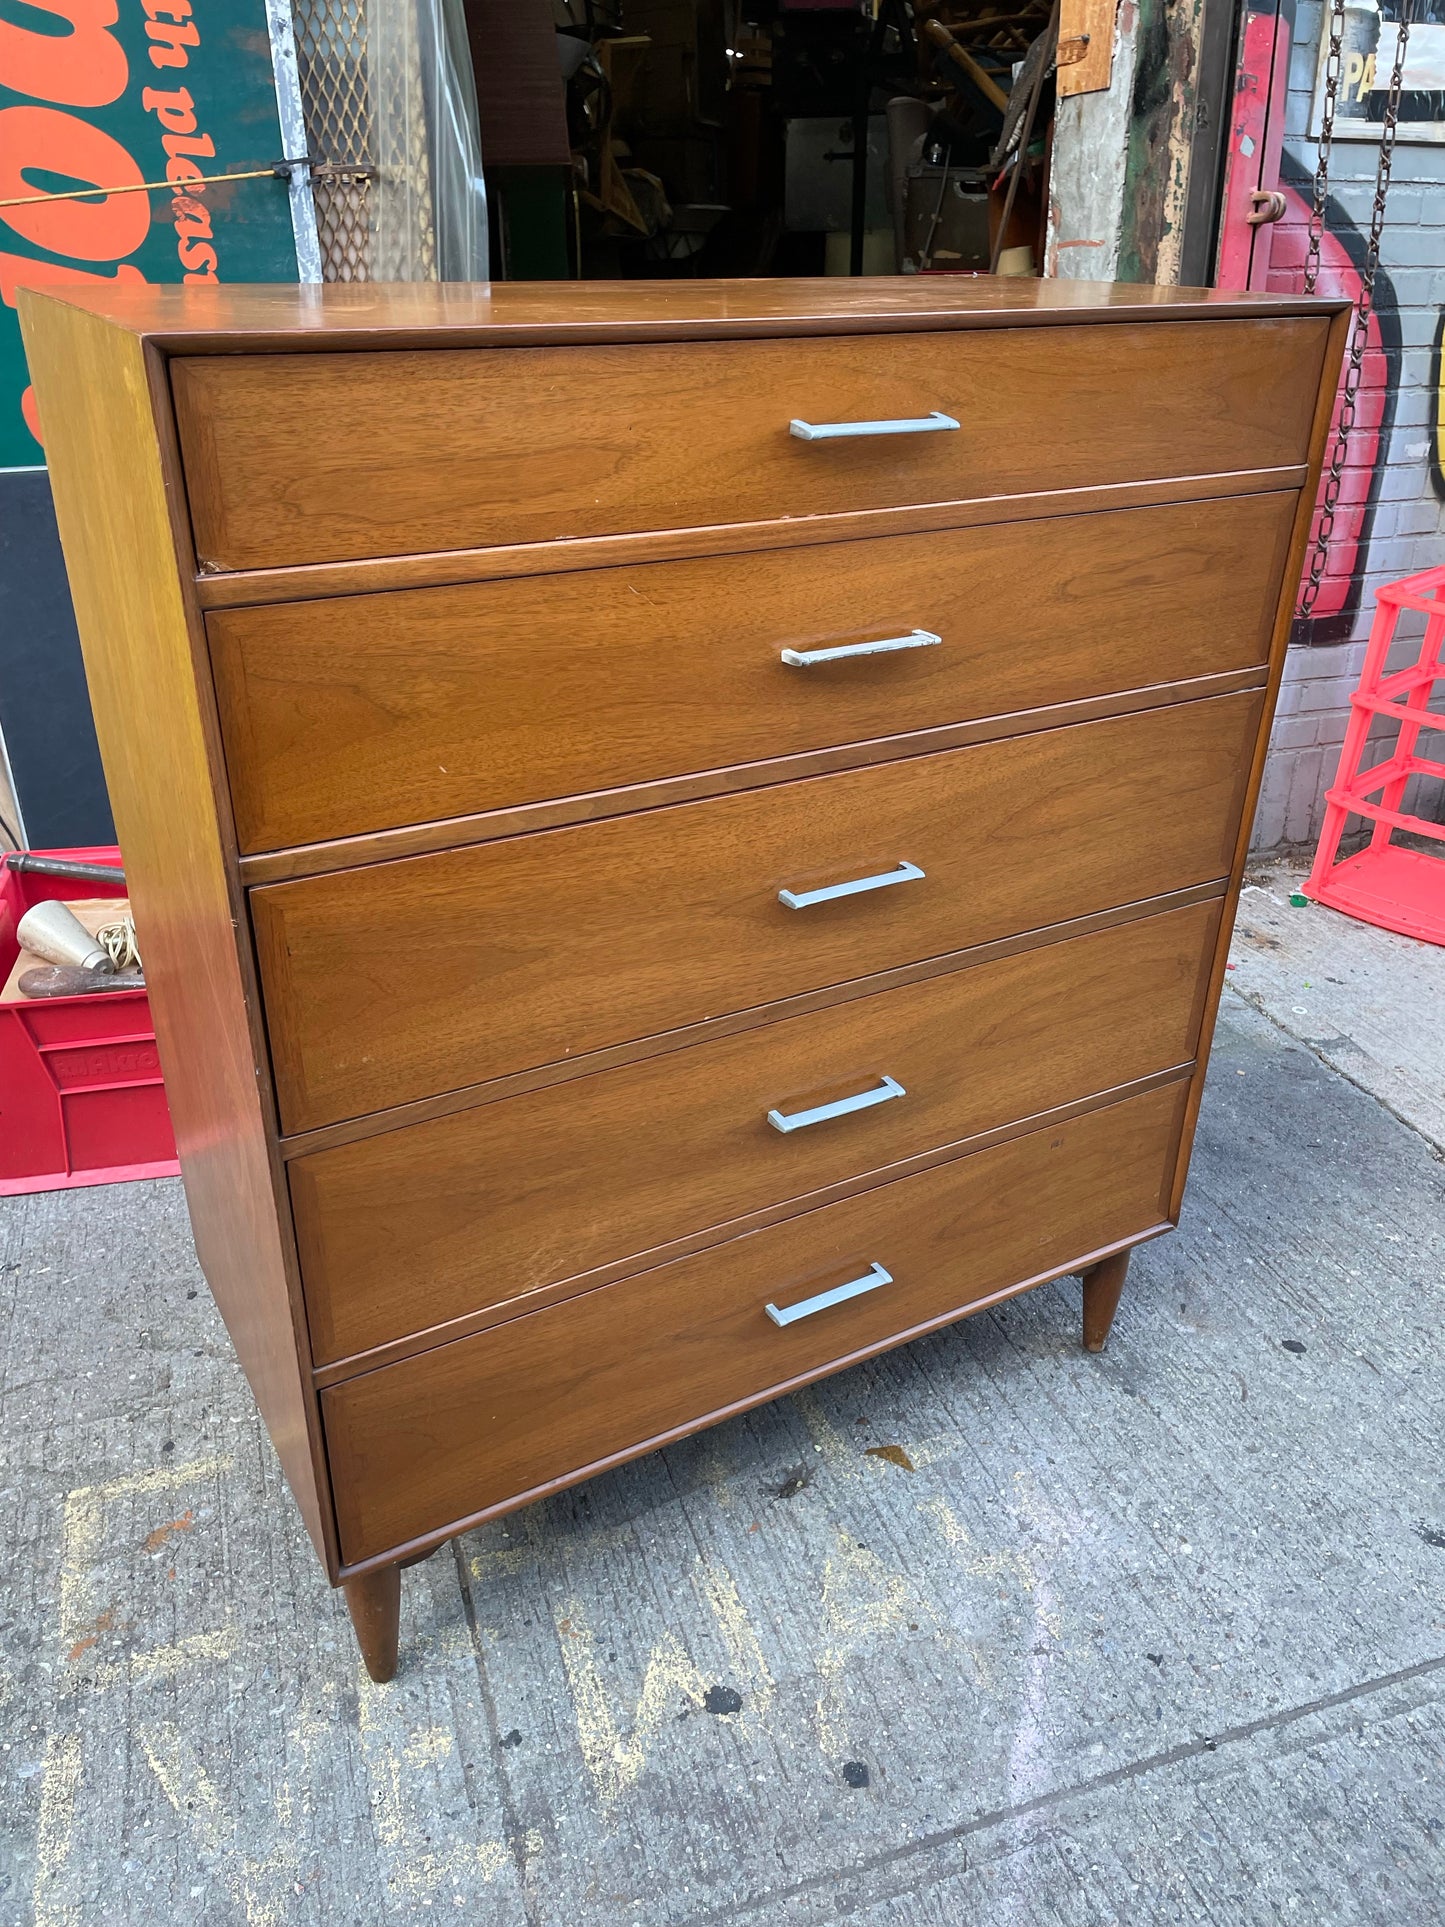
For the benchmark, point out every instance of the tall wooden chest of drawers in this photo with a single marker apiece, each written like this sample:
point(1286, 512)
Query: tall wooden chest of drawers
point(681, 834)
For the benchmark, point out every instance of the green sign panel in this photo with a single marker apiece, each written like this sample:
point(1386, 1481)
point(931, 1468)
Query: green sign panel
point(114, 94)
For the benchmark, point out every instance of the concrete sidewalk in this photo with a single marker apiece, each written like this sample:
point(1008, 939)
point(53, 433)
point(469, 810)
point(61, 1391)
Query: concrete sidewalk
point(987, 1631)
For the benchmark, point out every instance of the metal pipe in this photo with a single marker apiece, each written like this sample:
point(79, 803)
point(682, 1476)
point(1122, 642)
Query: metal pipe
point(63, 866)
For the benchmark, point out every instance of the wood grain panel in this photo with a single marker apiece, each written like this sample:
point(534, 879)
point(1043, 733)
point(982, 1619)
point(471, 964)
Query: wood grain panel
point(734, 1023)
point(362, 714)
point(449, 832)
point(314, 458)
point(377, 574)
point(419, 1226)
point(1320, 432)
point(425, 975)
point(285, 319)
point(486, 1420)
point(145, 667)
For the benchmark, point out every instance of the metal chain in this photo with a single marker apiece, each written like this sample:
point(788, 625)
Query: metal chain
point(1364, 307)
point(1334, 64)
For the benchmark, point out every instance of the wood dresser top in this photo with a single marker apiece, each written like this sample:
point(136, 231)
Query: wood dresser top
point(459, 314)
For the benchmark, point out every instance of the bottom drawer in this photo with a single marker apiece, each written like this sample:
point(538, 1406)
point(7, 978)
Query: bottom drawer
point(550, 1397)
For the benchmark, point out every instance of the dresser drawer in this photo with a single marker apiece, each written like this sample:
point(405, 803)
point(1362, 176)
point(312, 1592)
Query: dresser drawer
point(370, 712)
point(406, 979)
point(483, 1421)
point(424, 976)
point(329, 457)
point(417, 1226)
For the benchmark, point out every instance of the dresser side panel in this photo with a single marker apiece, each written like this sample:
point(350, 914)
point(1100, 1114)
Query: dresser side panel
point(111, 481)
point(1327, 384)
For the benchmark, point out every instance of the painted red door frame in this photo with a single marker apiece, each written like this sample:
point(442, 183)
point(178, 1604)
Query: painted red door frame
point(1271, 256)
point(1256, 140)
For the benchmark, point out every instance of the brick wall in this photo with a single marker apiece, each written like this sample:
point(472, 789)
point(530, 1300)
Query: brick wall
point(1397, 524)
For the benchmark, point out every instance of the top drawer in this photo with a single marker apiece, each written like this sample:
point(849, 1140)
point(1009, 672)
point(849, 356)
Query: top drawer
point(333, 457)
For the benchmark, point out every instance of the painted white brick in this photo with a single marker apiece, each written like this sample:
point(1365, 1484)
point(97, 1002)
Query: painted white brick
point(1268, 829)
point(1305, 789)
point(1293, 732)
point(1269, 818)
point(1401, 483)
point(1406, 204)
point(1413, 411)
point(1424, 517)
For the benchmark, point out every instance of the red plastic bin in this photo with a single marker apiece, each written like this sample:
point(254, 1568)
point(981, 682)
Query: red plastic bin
point(81, 1097)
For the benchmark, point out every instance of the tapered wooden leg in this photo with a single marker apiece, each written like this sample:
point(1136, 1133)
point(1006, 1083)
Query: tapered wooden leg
point(1103, 1285)
point(374, 1601)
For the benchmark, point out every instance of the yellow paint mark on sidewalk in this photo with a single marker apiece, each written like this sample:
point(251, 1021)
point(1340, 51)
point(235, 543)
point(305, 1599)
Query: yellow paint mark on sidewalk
point(55, 1831)
point(862, 1600)
point(507, 1560)
point(405, 1765)
point(164, 1662)
point(615, 1762)
point(836, 1452)
point(255, 1886)
point(1010, 1565)
point(81, 1628)
point(84, 1523)
point(750, 1667)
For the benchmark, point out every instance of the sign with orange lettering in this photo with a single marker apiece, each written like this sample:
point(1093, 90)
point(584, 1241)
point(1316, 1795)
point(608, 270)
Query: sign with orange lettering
point(116, 95)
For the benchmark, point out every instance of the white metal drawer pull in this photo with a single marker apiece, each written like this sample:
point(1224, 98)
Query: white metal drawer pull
point(861, 1101)
point(803, 899)
point(831, 431)
point(872, 1278)
point(915, 639)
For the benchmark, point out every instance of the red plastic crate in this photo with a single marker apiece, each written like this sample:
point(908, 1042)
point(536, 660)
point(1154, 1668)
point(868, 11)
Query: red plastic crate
point(81, 1098)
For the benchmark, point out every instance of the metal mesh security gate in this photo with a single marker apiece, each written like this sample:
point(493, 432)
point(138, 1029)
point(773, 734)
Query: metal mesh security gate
point(331, 62)
point(364, 102)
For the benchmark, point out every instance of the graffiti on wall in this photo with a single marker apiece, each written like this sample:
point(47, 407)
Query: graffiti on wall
point(1258, 251)
point(1342, 265)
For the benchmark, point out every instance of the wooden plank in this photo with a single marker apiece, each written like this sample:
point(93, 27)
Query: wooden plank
point(500, 1314)
point(420, 839)
point(1091, 74)
point(734, 1023)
